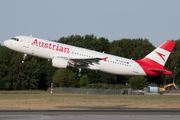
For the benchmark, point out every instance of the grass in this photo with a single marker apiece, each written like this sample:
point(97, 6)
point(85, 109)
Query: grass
point(59, 100)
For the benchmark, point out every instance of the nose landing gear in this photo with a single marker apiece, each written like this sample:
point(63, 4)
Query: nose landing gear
point(79, 74)
point(24, 57)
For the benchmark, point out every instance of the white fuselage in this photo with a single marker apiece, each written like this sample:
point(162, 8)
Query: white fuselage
point(48, 49)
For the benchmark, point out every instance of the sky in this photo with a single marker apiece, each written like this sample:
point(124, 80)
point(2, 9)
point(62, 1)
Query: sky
point(156, 20)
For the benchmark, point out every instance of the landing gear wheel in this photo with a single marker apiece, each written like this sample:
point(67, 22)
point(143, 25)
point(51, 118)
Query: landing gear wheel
point(79, 74)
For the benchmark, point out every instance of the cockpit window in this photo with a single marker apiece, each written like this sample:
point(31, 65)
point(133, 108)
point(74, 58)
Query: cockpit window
point(16, 39)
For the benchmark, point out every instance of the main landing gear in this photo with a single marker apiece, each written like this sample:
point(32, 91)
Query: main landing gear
point(79, 74)
point(24, 57)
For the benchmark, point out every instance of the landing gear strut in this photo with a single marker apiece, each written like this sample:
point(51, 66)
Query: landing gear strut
point(24, 57)
point(79, 74)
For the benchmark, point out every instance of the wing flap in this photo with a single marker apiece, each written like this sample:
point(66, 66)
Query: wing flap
point(85, 61)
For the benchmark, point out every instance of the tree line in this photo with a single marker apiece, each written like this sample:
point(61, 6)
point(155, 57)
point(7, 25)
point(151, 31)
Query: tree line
point(39, 73)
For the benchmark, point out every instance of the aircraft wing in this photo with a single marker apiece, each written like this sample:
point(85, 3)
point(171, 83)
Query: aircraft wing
point(79, 62)
point(84, 62)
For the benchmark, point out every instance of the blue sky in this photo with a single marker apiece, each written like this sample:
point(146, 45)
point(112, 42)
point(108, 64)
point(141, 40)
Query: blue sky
point(156, 20)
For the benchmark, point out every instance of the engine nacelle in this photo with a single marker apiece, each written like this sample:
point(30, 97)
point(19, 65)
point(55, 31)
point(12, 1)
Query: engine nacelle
point(59, 63)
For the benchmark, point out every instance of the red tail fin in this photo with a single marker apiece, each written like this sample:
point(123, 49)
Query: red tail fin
point(154, 62)
point(160, 55)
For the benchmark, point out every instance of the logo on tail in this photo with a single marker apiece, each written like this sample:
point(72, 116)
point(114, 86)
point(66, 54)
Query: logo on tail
point(161, 55)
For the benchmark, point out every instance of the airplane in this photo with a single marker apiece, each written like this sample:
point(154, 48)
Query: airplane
point(63, 56)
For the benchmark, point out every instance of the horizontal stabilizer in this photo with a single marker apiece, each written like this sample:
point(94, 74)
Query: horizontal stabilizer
point(157, 70)
point(161, 71)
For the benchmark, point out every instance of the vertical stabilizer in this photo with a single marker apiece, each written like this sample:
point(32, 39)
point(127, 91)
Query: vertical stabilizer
point(159, 56)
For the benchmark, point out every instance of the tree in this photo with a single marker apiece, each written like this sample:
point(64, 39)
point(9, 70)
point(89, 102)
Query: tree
point(173, 64)
point(83, 81)
point(131, 48)
point(65, 78)
point(138, 82)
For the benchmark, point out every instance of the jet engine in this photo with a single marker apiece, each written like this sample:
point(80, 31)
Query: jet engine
point(59, 63)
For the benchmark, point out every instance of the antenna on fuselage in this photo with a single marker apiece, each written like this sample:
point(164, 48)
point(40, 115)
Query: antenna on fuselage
point(30, 35)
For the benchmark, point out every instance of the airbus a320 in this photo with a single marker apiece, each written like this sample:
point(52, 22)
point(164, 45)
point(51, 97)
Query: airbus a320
point(63, 56)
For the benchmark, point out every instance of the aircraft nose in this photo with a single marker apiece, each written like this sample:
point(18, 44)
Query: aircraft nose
point(6, 43)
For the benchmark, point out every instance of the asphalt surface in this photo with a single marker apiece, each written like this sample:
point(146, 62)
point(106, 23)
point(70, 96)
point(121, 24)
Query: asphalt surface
point(94, 112)
point(120, 114)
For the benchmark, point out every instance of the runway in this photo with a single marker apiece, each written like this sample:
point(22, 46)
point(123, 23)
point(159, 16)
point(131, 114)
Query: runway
point(93, 112)
point(120, 114)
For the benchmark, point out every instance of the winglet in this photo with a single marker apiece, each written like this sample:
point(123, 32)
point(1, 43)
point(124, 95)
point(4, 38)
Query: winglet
point(105, 59)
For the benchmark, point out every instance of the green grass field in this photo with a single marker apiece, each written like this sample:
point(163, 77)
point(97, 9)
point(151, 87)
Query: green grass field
point(59, 100)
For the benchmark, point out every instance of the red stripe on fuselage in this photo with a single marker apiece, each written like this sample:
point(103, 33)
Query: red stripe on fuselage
point(150, 62)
